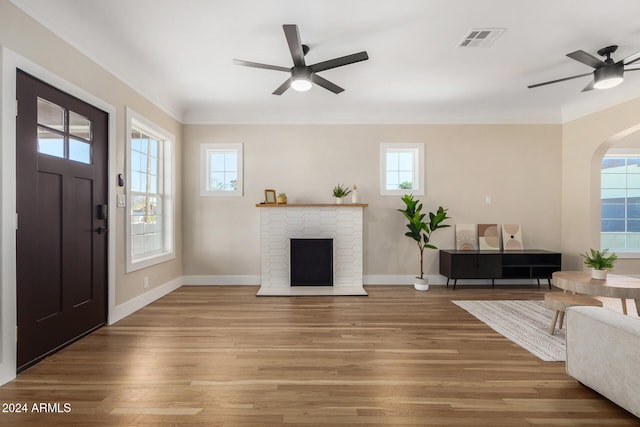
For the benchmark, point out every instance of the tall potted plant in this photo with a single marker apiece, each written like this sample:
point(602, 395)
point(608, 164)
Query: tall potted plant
point(600, 262)
point(421, 231)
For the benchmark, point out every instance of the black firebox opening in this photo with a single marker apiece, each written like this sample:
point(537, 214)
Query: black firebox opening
point(311, 262)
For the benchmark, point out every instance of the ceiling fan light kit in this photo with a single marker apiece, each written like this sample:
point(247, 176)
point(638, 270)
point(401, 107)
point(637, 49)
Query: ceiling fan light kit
point(303, 76)
point(301, 79)
point(606, 74)
point(301, 85)
point(608, 77)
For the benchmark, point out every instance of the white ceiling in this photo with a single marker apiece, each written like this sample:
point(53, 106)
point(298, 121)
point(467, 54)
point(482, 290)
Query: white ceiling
point(178, 53)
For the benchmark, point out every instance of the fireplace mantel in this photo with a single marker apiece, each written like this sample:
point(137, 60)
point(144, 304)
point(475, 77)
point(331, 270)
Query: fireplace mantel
point(341, 222)
point(312, 205)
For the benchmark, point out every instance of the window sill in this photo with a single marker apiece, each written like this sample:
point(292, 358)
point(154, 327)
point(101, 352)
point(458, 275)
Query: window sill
point(150, 261)
point(400, 193)
point(237, 193)
point(626, 255)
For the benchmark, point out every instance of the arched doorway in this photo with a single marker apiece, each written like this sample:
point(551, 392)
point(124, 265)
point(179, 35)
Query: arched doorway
point(616, 198)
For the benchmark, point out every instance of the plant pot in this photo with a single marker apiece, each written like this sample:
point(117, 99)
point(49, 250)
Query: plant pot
point(282, 200)
point(338, 200)
point(421, 284)
point(599, 274)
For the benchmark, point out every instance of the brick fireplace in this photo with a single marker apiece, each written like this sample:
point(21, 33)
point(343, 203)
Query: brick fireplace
point(281, 223)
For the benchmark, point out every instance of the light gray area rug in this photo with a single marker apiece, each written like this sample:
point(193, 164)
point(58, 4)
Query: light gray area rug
point(526, 323)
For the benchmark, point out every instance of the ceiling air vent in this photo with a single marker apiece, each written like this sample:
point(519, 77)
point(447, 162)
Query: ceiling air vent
point(481, 37)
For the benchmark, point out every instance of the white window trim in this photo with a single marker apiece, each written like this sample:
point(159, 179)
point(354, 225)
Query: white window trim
point(168, 252)
point(619, 152)
point(206, 148)
point(418, 183)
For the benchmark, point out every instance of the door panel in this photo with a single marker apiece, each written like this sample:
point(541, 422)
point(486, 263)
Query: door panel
point(464, 266)
point(82, 238)
point(61, 164)
point(47, 301)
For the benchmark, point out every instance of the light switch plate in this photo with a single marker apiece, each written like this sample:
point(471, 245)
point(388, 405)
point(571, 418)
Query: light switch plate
point(122, 201)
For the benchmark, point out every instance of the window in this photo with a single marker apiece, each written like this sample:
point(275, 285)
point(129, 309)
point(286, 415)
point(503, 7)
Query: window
point(620, 201)
point(63, 133)
point(401, 169)
point(150, 190)
point(221, 170)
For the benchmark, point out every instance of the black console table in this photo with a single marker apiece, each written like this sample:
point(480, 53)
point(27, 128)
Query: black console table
point(526, 264)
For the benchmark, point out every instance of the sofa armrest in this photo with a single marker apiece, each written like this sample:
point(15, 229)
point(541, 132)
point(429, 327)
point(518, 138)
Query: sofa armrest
point(603, 353)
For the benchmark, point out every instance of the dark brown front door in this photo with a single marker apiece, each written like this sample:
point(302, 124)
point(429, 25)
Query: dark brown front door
point(61, 156)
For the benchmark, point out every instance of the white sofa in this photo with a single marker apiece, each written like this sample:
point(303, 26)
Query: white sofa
point(603, 353)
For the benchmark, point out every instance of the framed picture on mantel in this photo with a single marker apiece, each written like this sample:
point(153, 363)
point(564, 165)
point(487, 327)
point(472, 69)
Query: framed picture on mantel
point(270, 197)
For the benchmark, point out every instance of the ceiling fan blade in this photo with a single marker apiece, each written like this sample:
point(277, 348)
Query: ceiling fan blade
point(559, 80)
point(258, 65)
point(320, 81)
point(339, 62)
point(295, 45)
point(586, 58)
point(631, 58)
point(283, 87)
point(589, 87)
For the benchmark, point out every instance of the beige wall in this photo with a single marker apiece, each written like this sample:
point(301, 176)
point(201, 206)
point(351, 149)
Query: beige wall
point(545, 177)
point(24, 36)
point(519, 166)
point(585, 141)
point(528, 170)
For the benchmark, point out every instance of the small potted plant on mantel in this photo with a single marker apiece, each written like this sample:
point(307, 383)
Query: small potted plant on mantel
point(599, 262)
point(421, 231)
point(282, 198)
point(339, 192)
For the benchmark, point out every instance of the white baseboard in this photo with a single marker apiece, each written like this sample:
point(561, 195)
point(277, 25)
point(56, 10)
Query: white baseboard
point(436, 279)
point(123, 310)
point(220, 280)
point(497, 282)
point(254, 280)
point(390, 279)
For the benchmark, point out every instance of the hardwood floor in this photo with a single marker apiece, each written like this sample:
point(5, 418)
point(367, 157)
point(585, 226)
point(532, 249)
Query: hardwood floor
point(219, 356)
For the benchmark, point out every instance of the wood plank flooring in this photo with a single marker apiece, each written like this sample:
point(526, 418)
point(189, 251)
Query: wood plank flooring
point(219, 356)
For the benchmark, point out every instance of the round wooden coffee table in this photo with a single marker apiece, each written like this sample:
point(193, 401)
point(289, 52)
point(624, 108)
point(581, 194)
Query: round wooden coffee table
point(580, 282)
